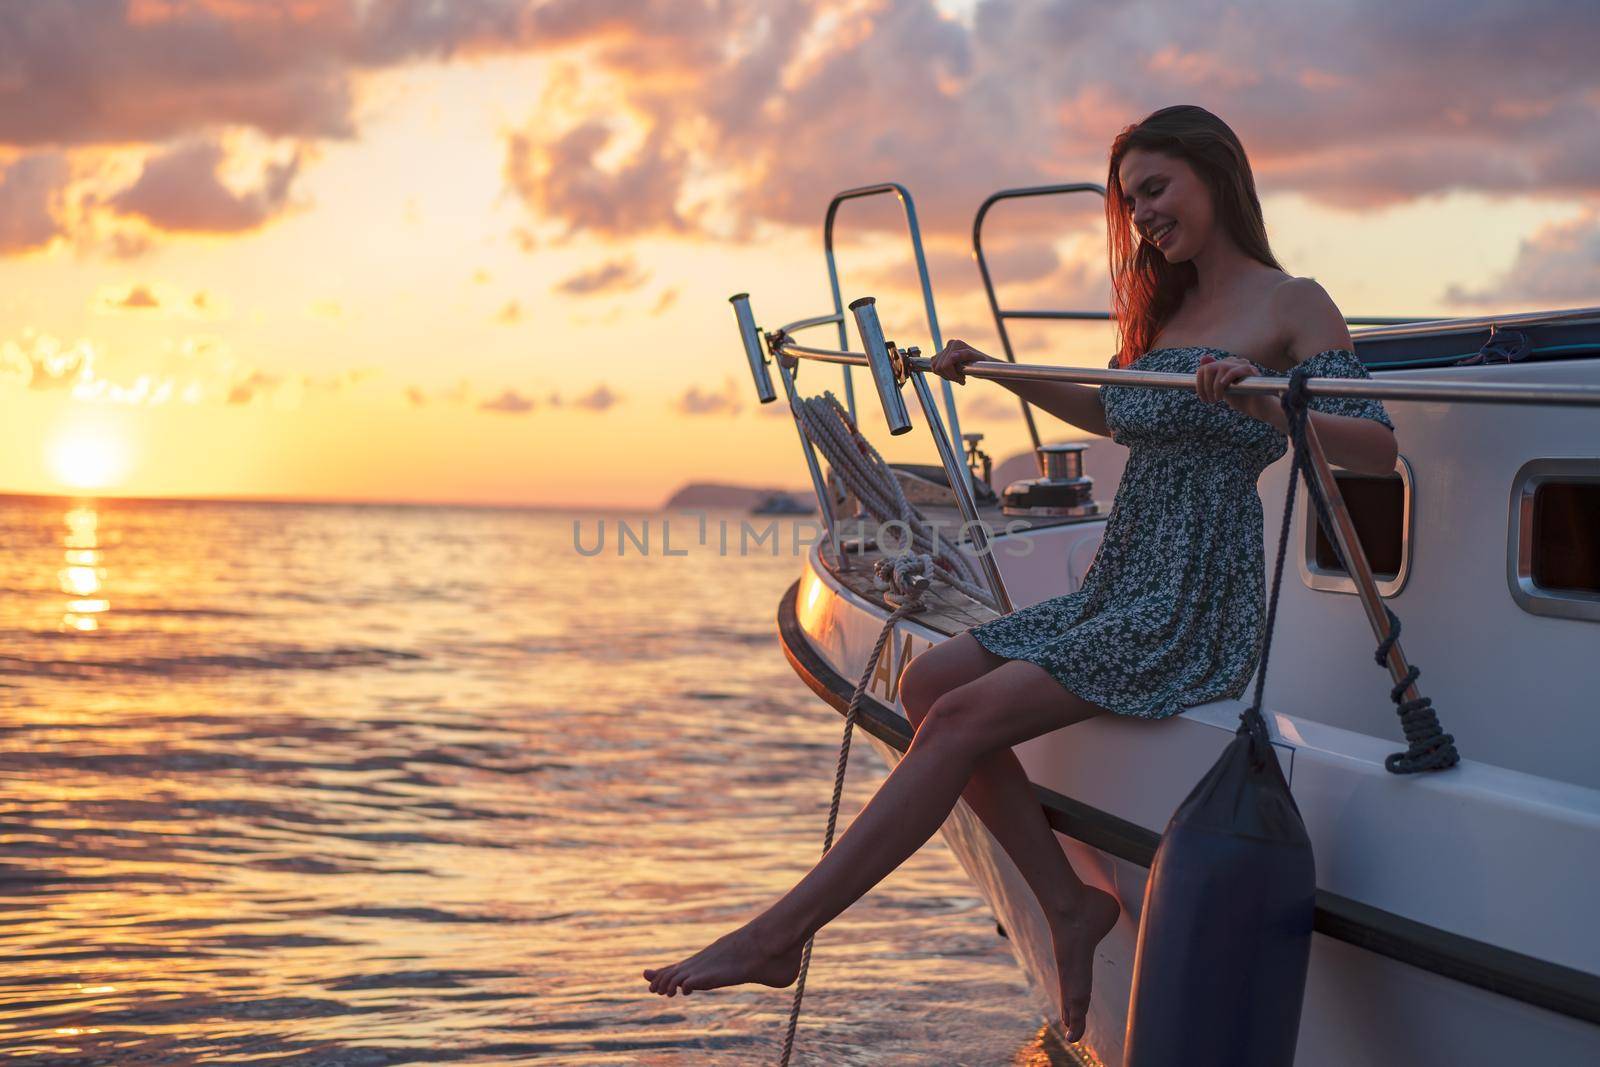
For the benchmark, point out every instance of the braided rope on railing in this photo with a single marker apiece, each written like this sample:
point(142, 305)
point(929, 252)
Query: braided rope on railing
point(1429, 747)
point(828, 425)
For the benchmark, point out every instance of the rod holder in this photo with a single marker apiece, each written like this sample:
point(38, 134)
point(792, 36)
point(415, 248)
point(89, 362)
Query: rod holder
point(752, 346)
point(881, 360)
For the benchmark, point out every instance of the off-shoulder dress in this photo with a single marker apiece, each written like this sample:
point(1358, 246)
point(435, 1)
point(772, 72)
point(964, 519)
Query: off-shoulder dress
point(1171, 611)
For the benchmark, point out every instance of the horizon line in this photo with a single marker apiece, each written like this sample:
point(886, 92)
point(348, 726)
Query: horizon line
point(83, 496)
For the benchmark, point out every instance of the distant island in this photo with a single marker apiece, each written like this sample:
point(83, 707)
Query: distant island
point(719, 495)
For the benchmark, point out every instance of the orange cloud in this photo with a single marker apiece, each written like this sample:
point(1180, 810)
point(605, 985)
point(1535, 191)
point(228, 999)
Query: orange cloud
point(562, 179)
point(257, 382)
point(155, 299)
point(667, 298)
point(613, 276)
point(188, 370)
point(717, 117)
point(815, 98)
point(1558, 266)
point(695, 401)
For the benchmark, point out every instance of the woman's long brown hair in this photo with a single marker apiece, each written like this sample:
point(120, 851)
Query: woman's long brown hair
point(1146, 289)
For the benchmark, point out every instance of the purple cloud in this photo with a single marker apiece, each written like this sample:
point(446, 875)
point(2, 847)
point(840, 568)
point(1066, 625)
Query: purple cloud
point(180, 190)
point(612, 276)
point(509, 402)
point(30, 190)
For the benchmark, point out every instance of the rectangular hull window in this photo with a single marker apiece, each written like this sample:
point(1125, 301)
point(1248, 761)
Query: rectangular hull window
point(1380, 510)
point(1553, 558)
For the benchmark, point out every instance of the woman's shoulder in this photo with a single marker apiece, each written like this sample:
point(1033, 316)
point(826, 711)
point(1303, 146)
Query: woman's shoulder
point(1305, 318)
point(1290, 291)
point(1291, 298)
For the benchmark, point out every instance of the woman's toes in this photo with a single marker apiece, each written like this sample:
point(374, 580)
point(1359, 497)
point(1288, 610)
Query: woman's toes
point(1077, 1021)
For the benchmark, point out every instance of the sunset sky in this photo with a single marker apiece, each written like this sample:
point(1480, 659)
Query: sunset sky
point(481, 250)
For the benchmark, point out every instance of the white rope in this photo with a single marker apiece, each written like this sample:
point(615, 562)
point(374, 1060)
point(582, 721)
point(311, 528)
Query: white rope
point(851, 456)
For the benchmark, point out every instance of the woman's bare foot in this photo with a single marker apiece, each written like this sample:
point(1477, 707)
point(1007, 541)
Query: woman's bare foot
point(731, 959)
point(1075, 931)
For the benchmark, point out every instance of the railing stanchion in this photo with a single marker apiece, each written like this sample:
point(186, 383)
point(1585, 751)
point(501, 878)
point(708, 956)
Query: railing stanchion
point(753, 343)
point(1344, 535)
point(889, 369)
point(753, 349)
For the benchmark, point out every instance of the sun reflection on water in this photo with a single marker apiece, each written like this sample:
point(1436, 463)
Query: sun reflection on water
point(82, 577)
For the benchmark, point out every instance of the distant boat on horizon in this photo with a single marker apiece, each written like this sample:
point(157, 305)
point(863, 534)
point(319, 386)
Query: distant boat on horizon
point(782, 504)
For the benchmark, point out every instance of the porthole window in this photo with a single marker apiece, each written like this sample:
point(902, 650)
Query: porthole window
point(1553, 551)
point(1380, 510)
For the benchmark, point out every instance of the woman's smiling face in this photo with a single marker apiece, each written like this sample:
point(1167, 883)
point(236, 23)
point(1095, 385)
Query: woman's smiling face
point(1170, 206)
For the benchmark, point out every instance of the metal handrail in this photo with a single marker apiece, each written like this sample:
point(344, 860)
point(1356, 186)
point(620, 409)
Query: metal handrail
point(904, 196)
point(1000, 316)
point(891, 366)
point(1370, 388)
point(1478, 322)
point(1106, 316)
point(824, 355)
point(806, 324)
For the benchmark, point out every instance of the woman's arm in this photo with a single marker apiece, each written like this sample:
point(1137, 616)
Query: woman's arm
point(1308, 322)
point(1067, 401)
point(1349, 441)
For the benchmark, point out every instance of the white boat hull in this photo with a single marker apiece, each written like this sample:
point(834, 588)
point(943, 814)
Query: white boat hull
point(1362, 1004)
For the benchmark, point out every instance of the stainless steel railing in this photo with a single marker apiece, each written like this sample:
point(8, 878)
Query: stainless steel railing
point(891, 366)
point(1463, 392)
point(1001, 315)
point(931, 312)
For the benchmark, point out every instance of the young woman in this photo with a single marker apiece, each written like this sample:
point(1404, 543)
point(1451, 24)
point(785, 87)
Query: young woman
point(1171, 611)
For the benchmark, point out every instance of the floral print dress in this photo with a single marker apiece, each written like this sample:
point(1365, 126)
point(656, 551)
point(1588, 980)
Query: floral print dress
point(1171, 612)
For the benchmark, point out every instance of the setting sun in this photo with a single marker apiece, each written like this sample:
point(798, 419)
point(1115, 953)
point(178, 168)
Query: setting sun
point(88, 458)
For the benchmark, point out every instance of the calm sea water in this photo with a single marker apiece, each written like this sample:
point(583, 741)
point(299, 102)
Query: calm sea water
point(291, 784)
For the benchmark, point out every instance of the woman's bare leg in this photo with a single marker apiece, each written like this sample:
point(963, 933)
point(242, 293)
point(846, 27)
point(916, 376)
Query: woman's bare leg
point(999, 792)
point(1002, 708)
point(1002, 797)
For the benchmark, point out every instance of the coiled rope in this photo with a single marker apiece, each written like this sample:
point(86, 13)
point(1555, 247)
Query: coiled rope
point(1429, 747)
point(902, 581)
point(828, 425)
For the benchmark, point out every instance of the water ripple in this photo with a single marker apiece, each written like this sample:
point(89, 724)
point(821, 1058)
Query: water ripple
point(348, 786)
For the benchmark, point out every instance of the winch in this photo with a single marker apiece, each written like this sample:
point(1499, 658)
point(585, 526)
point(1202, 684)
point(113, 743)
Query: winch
point(1064, 489)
